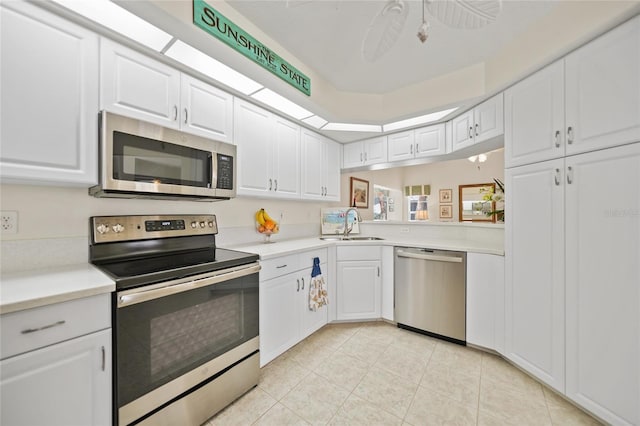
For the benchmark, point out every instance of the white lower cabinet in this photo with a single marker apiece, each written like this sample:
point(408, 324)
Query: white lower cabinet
point(285, 316)
point(485, 301)
point(388, 293)
point(603, 283)
point(56, 366)
point(64, 384)
point(572, 278)
point(534, 270)
point(359, 281)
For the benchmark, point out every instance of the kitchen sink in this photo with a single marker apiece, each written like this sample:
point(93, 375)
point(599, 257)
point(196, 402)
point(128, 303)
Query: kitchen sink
point(340, 238)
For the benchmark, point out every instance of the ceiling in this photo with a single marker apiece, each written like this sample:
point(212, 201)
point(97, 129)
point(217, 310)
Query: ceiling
point(453, 68)
point(327, 36)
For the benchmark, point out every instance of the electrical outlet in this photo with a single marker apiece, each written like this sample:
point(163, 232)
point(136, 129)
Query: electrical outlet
point(9, 222)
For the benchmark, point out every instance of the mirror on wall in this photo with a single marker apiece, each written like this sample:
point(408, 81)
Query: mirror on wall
point(387, 203)
point(472, 206)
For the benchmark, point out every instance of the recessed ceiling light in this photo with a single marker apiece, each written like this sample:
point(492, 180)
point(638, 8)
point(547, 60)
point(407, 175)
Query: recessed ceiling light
point(120, 20)
point(282, 104)
point(423, 119)
point(315, 121)
point(350, 127)
point(208, 66)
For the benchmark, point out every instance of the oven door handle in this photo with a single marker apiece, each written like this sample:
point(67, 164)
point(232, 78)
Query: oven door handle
point(128, 298)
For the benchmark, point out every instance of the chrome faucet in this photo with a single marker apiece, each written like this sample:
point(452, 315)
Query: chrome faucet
point(348, 228)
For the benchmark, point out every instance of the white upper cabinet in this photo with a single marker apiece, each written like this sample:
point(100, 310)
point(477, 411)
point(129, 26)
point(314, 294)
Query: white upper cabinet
point(352, 155)
point(417, 143)
point(286, 158)
point(320, 167)
point(534, 117)
point(268, 152)
point(484, 122)
point(430, 141)
point(462, 130)
point(603, 91)
point(401, 146)
point(254, 140)
point(586, 101)
point(206, 110)
point(135, 85)
point(364, 153)
point(138, 86)
point(49, 80)
point(603, 283)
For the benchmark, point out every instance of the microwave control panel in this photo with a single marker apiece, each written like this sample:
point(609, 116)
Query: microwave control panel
point(225, 172)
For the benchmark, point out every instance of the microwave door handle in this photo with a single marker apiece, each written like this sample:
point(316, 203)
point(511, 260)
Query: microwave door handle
point(140, 295)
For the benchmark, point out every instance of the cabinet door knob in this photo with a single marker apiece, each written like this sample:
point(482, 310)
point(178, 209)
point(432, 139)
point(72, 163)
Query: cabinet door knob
point(298, 289)
point(175, 112)
point(270, 184)
point(557, 177)
point(186, 114)
point(477, 129)
point(365, 156)
point(411, 149)
point(303, 283)
point(569, 175)
point(470, 132)
point(275, 188)
point(569, 135)
point(361, 157)
point(557, 138)
point(104, 356)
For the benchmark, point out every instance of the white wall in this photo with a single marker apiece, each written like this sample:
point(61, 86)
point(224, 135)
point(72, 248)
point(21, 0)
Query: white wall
point(57, 212)
point(442, 175)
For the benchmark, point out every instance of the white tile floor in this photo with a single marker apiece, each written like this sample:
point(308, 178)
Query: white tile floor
point(376, 374)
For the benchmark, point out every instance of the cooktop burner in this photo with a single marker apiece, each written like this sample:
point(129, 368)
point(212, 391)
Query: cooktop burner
point(143, 250)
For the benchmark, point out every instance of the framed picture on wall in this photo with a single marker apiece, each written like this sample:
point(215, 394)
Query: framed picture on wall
point(446, 212)
point(445, 195)
point(360, 193)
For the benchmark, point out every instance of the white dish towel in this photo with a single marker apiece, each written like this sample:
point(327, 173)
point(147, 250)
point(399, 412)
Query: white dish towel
point(318, 289)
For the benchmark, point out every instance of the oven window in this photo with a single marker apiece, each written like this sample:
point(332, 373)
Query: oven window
point(159, 340)
point(141, 159)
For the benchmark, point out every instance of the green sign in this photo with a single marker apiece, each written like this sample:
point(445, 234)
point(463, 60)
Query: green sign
point(210, 20)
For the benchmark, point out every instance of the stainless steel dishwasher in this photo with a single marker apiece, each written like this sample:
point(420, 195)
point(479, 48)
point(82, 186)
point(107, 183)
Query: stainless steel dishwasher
point(430, 292)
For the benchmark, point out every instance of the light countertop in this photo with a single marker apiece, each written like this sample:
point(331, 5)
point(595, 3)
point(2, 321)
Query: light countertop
point(281, 248)
point(30, 289)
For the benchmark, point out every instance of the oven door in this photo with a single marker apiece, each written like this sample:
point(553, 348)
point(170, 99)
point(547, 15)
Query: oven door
point(172, 338)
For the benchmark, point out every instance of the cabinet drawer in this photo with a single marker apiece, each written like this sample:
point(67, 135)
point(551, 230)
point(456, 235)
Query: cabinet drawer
point(30, 329)
point(358, 253)
point(279, 266)
point(306, 258)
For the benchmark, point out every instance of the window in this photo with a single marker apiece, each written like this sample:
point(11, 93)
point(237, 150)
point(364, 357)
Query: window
point(417, 208)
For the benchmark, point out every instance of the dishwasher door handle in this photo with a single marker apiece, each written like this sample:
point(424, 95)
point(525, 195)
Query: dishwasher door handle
point(439, 258)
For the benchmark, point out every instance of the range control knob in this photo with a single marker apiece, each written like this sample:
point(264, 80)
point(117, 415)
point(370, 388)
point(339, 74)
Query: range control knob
point(202, 224)
point(194, 224)
point(118, 228)
point(102, 228)
point(210, 224)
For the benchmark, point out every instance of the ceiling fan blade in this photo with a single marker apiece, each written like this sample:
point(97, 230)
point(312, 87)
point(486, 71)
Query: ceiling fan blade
point(384, 30)
point(465, 14)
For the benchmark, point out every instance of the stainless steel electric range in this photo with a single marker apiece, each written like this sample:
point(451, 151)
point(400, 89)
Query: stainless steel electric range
point(185, 317)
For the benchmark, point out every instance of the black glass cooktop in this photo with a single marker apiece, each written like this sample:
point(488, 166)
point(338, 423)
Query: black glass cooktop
point(132, 273)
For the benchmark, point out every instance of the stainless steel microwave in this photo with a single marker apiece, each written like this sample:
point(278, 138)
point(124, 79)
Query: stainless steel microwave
point(144, 160)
